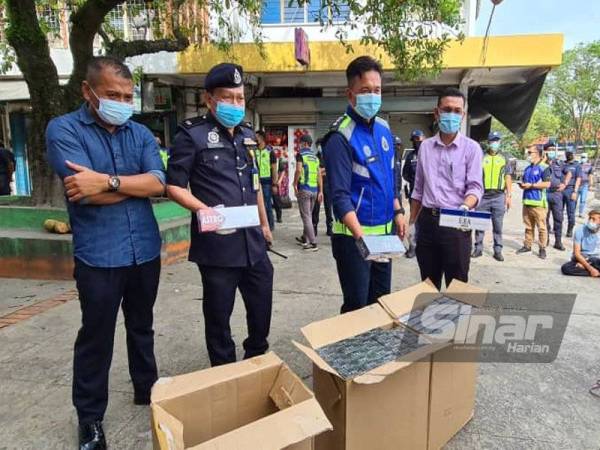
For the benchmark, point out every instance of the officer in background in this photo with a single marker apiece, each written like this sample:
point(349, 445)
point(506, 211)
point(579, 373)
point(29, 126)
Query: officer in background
point(398, 151)
point(587, 183)
point(359, 159)
point(570, 193)
point(326, 196)
point(558, 183)
point(214, 154)
point(536, 179)
point(267, 171)
point(497, 189)
point(409, 171)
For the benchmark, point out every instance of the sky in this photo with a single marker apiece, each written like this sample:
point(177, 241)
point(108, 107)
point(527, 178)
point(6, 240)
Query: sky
point(578, 20)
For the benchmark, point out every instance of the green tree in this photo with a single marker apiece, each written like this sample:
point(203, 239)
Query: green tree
point(402, 29)
point(574, 89)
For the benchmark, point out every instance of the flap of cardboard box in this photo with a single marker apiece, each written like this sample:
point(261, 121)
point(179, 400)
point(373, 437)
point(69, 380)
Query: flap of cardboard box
point(344, 326)
point(406, 300)
point(467, 293)
point(274, 432)
point(172, 387)
point(167, 429)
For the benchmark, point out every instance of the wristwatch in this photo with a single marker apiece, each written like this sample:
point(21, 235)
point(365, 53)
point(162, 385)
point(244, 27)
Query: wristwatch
point(399, 211)
point(114, 183)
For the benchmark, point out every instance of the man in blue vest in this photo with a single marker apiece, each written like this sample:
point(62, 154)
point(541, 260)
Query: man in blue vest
point(497, 185)
point(570, 192)
point(558, 183)
point(536, 179)
point(359, 159)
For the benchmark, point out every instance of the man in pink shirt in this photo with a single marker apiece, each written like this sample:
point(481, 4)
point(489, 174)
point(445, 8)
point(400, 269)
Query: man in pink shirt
point(448, 176)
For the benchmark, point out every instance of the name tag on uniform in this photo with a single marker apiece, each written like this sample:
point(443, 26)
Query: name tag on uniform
point(221, 219)
point(465, 220)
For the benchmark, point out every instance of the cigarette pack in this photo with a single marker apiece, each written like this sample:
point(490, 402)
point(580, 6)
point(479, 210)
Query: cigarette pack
point(223, 219)
point(377, 247)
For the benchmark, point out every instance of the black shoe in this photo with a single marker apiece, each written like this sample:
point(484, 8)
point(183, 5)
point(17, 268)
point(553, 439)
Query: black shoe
point(542, 253)
point(570, 231)
point(559, 246)
point(498, 256)
point(91, 436)
point(141, 399)
point(279, 220)
point(477, 253)
point(300, 240)
point(310, 247)
point(523, 250)
point(329, 233)
point(411, 253)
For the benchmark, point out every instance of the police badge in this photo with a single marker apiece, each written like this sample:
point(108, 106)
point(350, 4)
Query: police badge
point(213, 137)
point(237, 78)
point(384, 143)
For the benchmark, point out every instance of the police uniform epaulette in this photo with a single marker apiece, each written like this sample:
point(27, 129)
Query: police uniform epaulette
point(247, 125)
point(194, 121)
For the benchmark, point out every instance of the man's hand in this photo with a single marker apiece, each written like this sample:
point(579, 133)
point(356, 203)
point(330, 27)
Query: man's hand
point(400, 225)
point(594, 272)
point(267, 233)
point(274, 189)
point(574, 196)
point(525, 186)
point(84, 183)
point(320, 197)
point(561, 187)
point(508, 202)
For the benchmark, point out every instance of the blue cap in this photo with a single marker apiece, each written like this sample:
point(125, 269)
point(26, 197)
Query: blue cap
point(224, 75)
point(416, 133)
point(397, 140)
point(494, 136)
point(549, 144)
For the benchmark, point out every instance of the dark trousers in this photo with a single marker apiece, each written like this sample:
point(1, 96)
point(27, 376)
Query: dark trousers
point(268, 200)
point(571, 267)
point(570, 205)
point(496, 205)
point(555, 208)
point(328, 210)
point(101, 292)
point(277, 207)
point(363, 282)
point(219, 286)
point(442, 251)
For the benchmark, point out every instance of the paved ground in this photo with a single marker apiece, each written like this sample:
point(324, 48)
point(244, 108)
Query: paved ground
point(519, 406)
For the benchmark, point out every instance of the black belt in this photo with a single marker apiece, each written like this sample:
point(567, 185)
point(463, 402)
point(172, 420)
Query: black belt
point(435, 212)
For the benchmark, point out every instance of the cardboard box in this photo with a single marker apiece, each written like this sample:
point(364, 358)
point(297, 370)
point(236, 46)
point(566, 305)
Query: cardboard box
point(257, 404)
point(386, 408)
point(376, 247)
point(453, 376)
point(224, 219)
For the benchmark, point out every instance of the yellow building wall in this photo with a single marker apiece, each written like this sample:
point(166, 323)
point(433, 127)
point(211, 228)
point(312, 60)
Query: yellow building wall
point(544, 50)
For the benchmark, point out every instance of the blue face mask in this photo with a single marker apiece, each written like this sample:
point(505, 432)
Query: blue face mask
point(593, 227)
point(450, 122)
point(368, 105)
point(112, 111)
point(551, 155)
point(229, 115)
point(495, 146)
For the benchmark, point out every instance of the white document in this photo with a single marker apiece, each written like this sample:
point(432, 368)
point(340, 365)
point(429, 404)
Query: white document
point(465, 220)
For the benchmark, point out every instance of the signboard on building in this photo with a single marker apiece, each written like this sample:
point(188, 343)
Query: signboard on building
point(302, 50)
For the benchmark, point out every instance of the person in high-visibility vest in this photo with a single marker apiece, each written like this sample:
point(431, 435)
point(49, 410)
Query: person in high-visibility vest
point(266, 162)
point(536, 179)
point(497, 188)
point(360, 163)
point(308, 187)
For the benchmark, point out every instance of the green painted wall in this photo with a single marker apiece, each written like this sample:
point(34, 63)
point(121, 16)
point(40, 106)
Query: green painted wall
point(28, 218)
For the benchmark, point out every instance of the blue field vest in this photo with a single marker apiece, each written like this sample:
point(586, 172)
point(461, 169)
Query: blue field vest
point(372, 184)
point(534, 197)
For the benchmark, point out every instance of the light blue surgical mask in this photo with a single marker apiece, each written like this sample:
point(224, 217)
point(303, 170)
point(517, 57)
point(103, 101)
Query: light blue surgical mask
point(495, 146)
point(112, 111)
point(551, 155)
point(450, 122)
point(368, 105)
point(593, 227)
point(229, 115)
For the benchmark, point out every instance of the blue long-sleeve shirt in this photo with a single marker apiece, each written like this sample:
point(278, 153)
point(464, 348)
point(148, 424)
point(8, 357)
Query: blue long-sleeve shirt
point(124, 233)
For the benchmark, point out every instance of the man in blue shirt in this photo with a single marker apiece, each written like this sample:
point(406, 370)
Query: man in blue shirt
point(360, 164)
point(586, 249)
point(109, 165)
point(570, 193)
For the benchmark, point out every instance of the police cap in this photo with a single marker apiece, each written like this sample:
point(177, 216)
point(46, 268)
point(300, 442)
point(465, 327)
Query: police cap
point(494, 136)
point(306, 139)
point(416, 134)
point(224, 75)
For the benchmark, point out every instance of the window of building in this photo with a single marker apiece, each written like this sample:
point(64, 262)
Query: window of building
point(50, 18)
point(276, 12)
point(115, 22)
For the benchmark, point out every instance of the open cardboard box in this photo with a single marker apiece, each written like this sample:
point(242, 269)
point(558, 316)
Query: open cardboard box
point(386, 408)
point(453, 375)
point(257, 404)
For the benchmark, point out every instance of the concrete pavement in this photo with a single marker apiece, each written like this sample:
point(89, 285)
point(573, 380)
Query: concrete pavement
point(545, 406)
